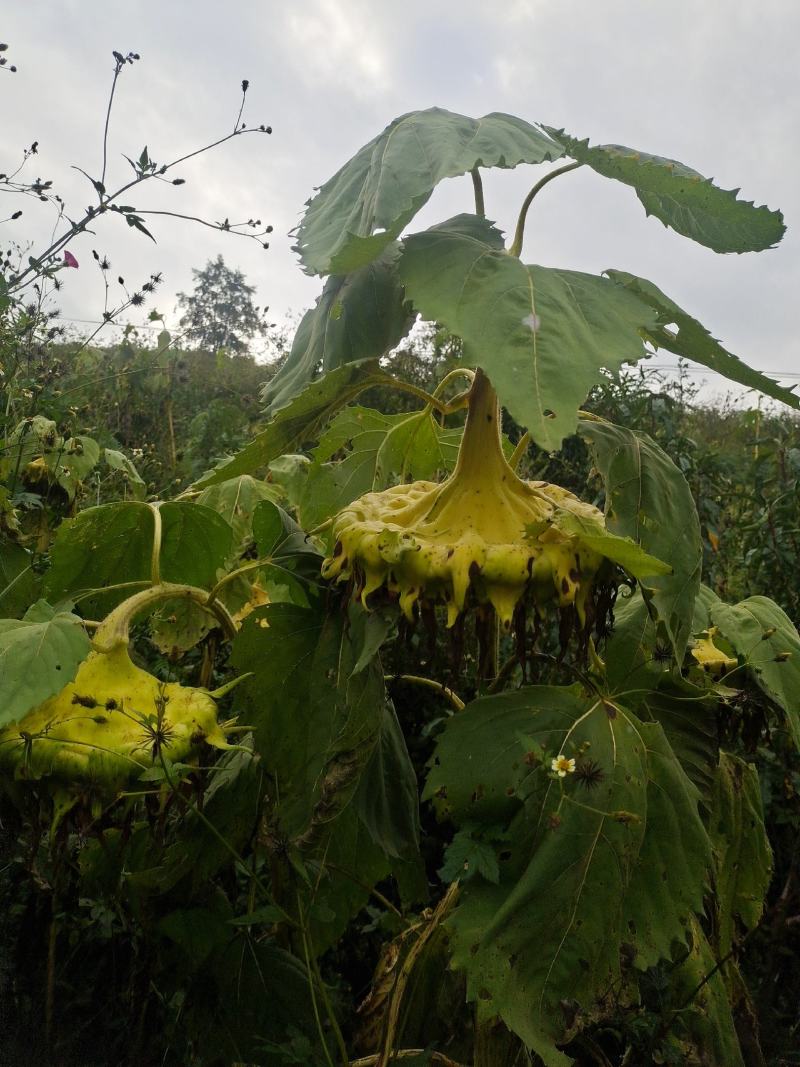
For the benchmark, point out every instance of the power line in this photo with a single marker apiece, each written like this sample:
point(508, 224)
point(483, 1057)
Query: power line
point(709, 370)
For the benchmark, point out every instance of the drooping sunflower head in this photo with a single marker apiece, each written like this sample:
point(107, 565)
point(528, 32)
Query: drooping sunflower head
point(482, 536)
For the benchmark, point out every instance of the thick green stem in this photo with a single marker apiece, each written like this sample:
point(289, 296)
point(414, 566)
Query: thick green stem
point(481, 454)
point(155, 556)
point(477, 185)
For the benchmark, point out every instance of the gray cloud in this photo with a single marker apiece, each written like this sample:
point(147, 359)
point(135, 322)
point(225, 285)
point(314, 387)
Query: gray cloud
point(714, 85)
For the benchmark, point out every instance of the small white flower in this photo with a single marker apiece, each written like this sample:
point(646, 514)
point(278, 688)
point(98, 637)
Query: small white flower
point(562, 766)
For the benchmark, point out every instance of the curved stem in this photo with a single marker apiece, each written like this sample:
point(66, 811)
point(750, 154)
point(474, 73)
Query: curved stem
point(115, 628)
point(421, 394)
point(429, 683)
point(477, 185)
point(155, 556)
point(456, 372)
point(519, 233)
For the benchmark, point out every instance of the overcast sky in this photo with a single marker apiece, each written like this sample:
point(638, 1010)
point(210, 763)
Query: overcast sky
point(713, 84)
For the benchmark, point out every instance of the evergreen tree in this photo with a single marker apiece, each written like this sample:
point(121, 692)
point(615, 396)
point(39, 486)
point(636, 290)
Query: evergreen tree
point(220, 313)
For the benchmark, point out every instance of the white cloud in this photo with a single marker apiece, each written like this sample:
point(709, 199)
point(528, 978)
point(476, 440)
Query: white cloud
point(334, 44)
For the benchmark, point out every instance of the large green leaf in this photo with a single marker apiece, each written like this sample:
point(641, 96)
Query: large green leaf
point(112, 544)
point(301, 421)
point(768, 644)
point(681, 198)
point(195, 542)
point(101, 546)
point(316, 718)
point(366, 204)
point(549, 932)
point(409, 446)
point(39, 655)
point(693, 341)
point(743, 857)
point(358, 316)
point(387, 798)
point(542, 335)
point(648, 499)
point(577, 858)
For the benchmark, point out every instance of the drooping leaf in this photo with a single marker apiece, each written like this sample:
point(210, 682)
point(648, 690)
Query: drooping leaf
point(577, 857)
point(622, 550)
point(316, 721)
point(71, 464)
point(693, 341)
point(366, 204)
point(39, 655)
point(301, 421)
point(358, 316)
point(743, 857)
point(236, 499)
point(351, 862)
point(681, 198)
point(387, 798)
point(769, 645)
point(409, 446)
point(667, 886)
point(648, 499)
point(542, 335)
point(703, 1010)
point(291, 553)
point(118, 461)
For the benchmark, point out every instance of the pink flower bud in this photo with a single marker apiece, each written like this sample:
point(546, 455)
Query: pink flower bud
point(70, 260)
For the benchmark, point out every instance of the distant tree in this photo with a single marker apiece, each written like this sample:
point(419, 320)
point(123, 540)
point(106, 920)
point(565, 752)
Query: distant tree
point(220, 313)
